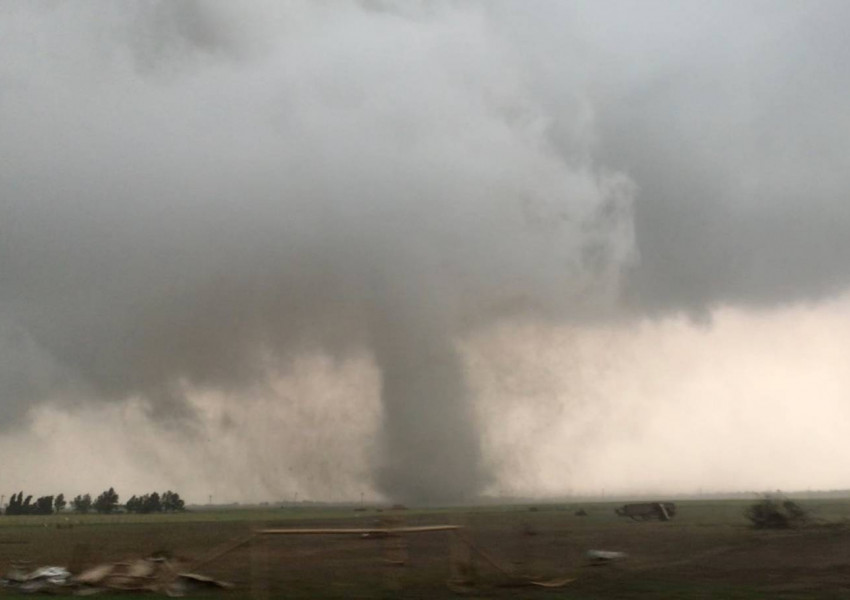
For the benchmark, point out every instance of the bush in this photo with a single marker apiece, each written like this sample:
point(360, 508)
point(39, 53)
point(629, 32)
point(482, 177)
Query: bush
point(773, 512)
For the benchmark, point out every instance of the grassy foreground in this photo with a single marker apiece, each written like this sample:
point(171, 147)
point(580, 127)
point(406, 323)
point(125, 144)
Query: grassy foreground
point(707, 551)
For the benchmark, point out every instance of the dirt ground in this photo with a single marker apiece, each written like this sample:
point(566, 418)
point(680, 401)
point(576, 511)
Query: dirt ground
point(707, 551)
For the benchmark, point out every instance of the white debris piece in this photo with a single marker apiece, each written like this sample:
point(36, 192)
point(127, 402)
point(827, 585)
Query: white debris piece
point(600, 557)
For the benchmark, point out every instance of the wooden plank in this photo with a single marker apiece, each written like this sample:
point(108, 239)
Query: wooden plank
point(218, 552)
point(359, 531)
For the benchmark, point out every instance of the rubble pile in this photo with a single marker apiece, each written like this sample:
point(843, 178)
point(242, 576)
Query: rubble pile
point(144, 574)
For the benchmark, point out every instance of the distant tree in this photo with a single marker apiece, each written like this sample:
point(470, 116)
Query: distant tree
point(18, 505)
point(15, 502)
point(107, 502)
point(82, 504)
point(59, 504)
point(151, 503)
point(171, 502)
point(43, 506)
point(133, 505)
point(138, 504)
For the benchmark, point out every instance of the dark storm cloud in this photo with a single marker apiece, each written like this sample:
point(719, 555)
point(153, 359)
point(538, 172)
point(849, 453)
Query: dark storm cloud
point(193, 193)
point(732, 123)
point(738, 141)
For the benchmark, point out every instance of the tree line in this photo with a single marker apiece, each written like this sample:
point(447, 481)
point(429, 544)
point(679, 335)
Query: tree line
point(106, 503)
point(45, 505)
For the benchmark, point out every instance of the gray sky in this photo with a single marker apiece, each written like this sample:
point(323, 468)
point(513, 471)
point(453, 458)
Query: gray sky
point(422, 250)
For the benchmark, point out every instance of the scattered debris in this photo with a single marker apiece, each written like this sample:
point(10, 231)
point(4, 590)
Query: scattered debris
point(94, 575)
point(512, 580)
point(604, 557)
point(580, 513)
point(374, 534)
point(553, 583)
point(144, 574)
point(40, 580)
point(17, 572)
point(646, 511)
point(187, 583)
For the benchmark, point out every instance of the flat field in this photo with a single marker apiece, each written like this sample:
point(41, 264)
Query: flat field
point(707, 551)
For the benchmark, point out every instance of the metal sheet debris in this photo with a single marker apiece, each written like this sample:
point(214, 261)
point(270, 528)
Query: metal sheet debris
point(144, 574)
point(38, 580)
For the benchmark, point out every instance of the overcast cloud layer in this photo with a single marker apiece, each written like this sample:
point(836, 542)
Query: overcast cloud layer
point(197, 195)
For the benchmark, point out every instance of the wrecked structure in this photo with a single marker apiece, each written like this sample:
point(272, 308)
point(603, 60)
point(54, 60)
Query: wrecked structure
point(151, 574)
point(648, 511)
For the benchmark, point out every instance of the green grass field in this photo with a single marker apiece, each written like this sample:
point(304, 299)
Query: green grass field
point(707, 551)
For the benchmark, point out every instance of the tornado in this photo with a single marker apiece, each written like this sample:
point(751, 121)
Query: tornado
point(197, 197)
